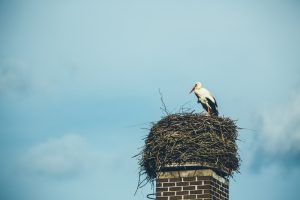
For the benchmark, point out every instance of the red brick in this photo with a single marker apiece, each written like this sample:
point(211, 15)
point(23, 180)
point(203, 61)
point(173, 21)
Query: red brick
point(203, 187)
point(189, 188)
point(182, 192)
point(196, 183)
point(168, 193)
point(223, 195)
point(182, 183)
point(175, 179)
point(216, 184)
point(217, 195)
point(207, 191)
point(203, 196)
point(189, 196)
point(189, 178)
point(168, 184)
point(161, 189)
point(204, 178)
point(196, 192)
point(175, 189)
point(213, 188)
point(161, 198)
point(176, 198)
point(207, 182)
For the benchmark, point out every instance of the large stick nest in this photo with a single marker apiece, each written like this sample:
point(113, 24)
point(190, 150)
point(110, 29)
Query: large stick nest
point(185, 139)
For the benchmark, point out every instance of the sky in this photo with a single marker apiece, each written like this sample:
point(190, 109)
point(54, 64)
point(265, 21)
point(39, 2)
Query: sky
point(80, 81)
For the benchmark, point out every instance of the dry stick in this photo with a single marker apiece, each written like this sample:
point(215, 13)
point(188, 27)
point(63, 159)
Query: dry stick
point(164, 107)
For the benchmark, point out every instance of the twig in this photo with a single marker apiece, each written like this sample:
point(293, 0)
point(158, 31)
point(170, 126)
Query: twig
point(164, 107)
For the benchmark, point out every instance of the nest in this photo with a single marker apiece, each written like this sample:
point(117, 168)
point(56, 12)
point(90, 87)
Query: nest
point(188, 139)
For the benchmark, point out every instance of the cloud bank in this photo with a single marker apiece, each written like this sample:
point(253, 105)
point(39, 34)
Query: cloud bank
point(13, 78)
point(279, 136)
point(67, 156)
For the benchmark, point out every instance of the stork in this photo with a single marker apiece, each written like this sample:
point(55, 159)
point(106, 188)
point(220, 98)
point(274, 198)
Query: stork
point(206, 99)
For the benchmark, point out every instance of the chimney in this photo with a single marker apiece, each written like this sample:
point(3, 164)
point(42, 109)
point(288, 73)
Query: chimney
point(202, 184)
point(190, 156)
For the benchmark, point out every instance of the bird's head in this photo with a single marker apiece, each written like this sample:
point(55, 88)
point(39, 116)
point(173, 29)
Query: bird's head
point(197, 86)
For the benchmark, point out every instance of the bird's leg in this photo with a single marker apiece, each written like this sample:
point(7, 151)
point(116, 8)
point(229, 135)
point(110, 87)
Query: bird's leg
point(208, 110)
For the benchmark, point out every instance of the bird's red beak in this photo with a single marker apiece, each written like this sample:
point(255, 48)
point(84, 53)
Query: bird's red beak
point(192, 89)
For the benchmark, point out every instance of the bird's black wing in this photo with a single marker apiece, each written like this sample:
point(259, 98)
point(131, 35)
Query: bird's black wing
point(215, 102)
point(213, 106)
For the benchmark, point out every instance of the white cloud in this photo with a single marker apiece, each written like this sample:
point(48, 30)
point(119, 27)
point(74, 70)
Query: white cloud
point(13, 78)
point(281, 128)
point(66, 156)
point(19, 78)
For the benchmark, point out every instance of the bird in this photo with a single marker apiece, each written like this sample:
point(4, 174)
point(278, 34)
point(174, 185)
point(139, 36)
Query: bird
point(206, 99)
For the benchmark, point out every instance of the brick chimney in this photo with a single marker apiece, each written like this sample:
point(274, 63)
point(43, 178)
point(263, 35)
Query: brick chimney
point(202, 184)
point(190, 156)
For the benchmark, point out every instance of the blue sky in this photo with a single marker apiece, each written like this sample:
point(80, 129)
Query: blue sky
point(80, 79)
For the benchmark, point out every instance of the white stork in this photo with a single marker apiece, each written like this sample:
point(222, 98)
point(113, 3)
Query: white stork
point(206, 99)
